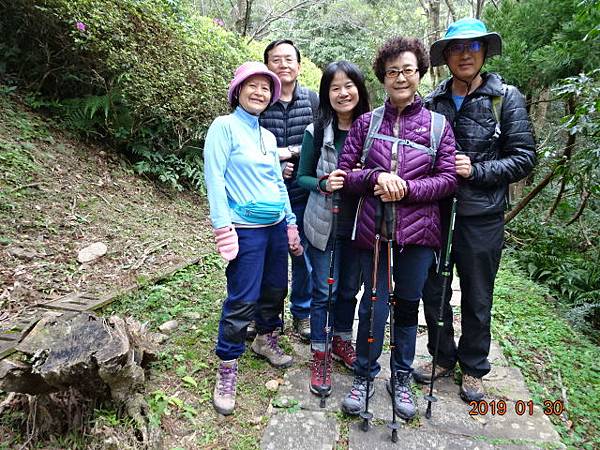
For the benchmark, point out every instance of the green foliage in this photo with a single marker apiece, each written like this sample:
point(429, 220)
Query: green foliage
point(353, 30)
point(143, 73)
point(550, 353)
point(150, 75)
point(566, 259)
point(545, 41)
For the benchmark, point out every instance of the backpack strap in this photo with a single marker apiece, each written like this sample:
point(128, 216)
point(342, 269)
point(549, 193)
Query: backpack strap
point(497, 102)
point(374, 124)
point(436, 129)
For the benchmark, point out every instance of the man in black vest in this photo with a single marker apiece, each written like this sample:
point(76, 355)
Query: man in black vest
point(494, 147)
point(287, 119)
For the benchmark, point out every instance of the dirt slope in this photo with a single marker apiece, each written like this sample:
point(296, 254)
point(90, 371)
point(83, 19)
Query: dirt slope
point(58, 195)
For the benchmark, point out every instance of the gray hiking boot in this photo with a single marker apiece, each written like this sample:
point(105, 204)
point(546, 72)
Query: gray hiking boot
point(471, 388)
point(302, 327)
point(405, 404)
point(266, 345)
point(224, 393)
point(422, 374)
point(355, 400)
point(251, 331)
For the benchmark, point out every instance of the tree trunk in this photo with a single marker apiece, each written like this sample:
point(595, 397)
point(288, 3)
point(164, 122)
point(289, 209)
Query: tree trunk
point(566, 159)
point(479, 8)
point(433, 12)
point(451, 10)
point(541, 109)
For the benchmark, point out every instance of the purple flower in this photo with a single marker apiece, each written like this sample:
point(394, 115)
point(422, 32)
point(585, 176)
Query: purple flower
point(219, 22)
point(80, 26)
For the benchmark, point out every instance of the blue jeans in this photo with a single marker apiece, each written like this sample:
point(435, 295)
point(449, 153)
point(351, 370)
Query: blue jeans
point(346, 273)
point(300, 296)
point(256, 287)
point(411, 266)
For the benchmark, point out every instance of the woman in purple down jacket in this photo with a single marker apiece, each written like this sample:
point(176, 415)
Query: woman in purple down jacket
point(402, 179)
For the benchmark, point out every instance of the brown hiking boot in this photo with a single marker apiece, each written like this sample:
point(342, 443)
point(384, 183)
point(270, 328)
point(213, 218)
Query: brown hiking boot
point(224, 393)
point(422, 374)
point(266, 345)
point(471, 388)
point(302, 327)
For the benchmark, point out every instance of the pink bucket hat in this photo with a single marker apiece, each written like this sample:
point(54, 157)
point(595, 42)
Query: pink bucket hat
point(247, 70)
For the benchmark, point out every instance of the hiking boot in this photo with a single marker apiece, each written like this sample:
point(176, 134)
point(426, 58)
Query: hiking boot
point(302, 327)
point(405, 404)
point(343, 351)
point(471, 388)
point(422, 374)
point(251, 331)
point(354, 402)
point(224, 393)
point(266, 345)
point(318, 385)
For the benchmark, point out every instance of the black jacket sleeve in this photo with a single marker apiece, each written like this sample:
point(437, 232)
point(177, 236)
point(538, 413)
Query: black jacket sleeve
point(516, 145)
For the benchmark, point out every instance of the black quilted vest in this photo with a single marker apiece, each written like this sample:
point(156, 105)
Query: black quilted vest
point(288, 125)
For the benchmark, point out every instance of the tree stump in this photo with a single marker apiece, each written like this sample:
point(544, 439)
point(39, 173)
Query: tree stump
point(98, 357)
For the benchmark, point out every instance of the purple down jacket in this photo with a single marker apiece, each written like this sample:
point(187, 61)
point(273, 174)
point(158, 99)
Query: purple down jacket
point(417, 217)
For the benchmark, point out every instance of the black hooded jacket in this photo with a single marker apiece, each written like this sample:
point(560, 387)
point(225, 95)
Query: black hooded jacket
point(496, 160)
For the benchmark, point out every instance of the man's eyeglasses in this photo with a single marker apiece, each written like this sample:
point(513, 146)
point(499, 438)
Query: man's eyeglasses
point(278, 61)
point(395, 73)
point(459, 47)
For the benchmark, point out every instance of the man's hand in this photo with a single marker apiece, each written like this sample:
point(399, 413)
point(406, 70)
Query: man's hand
point(288, 170)
point(463, 165)
point(390, 187)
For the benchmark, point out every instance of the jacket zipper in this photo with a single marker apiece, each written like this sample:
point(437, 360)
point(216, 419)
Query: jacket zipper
point(398, 128)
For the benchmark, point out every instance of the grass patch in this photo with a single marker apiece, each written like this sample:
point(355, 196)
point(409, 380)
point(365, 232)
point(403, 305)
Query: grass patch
point(557, 361)
point(180, 391)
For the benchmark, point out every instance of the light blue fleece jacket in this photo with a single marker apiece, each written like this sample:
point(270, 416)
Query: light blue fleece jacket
point(236, 171)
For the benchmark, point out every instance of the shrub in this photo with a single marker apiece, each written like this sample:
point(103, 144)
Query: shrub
point(146, 74)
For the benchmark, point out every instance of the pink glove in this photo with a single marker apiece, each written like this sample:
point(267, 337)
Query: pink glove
point(294, 240)
point(227, 242)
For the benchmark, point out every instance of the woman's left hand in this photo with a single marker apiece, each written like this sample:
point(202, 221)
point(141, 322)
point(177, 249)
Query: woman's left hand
point(294, 244)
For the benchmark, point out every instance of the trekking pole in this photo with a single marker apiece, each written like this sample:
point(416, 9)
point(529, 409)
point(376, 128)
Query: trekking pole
point(389, 231)
point(365, 415)
point(335, 209)
point(446, 273)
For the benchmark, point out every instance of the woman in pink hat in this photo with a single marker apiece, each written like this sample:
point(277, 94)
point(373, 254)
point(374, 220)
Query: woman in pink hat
point(253, 225)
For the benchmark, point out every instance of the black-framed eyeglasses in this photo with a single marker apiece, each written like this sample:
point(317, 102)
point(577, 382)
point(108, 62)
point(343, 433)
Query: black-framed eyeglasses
point(395, 73)
point(458, 48)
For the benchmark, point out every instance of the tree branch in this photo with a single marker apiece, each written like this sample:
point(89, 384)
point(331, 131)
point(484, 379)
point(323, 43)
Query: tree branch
point(525, 201)
point(582, 205)
point(272, 18)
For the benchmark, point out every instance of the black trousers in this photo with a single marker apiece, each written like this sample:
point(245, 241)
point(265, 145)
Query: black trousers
point(476, 251)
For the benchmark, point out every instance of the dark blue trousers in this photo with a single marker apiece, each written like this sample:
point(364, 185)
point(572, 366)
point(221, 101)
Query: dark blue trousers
point(411, 265)
point(256, 286)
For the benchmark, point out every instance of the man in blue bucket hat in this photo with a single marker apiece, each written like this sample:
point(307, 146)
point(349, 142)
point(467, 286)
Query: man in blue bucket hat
point(494, 147)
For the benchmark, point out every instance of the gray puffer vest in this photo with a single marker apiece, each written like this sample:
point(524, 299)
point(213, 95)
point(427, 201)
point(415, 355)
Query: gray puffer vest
point(318, 218)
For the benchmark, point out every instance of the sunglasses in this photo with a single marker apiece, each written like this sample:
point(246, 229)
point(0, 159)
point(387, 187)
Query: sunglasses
point(460, 47)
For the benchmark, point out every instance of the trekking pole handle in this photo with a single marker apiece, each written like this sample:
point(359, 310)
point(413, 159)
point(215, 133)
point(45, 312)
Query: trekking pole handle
point(378, 215)
point(388, 212)
point(447, 258)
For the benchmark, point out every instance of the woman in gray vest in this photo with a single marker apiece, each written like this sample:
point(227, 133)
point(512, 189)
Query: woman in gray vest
point(343, 97)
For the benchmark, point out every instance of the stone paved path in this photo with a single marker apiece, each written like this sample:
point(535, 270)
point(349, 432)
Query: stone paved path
point(299, 423)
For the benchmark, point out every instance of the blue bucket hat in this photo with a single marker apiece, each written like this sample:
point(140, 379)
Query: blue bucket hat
point(467, 28)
